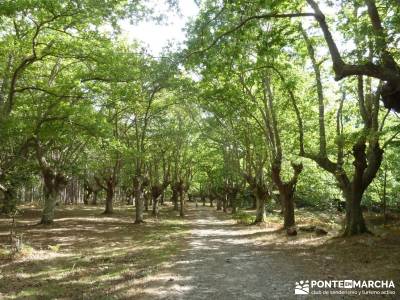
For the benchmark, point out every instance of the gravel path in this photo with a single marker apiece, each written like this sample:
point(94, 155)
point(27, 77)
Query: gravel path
point(223, 262)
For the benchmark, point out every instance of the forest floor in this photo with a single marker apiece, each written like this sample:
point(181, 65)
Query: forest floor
point(86, 255)
point(226, 260)
point(208, 255)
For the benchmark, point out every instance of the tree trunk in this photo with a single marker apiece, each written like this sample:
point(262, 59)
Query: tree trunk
point(50, 200)
point(155, 207)
point(203, 199)
point(86, 195)
point(162, 198)
point(146, 201)
point(174, 198)
point(355, 223)
point(53, 183)
point(138, 205)
point(286, 195)
point(234, 204)
point(211, 201)
point(7, 203)
point(233, 200)
point(182, 203)
point(260, 210)
point(109, 198)
point(353, 192)
point(254, 201)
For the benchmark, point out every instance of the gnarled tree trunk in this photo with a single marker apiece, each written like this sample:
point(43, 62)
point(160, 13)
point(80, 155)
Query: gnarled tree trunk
point(53, 183)
point(286, 193)
point(364, 172)
point(50, 200)
point(157, 190)
point(355, 223)
point(261, 216)
point(261, 193)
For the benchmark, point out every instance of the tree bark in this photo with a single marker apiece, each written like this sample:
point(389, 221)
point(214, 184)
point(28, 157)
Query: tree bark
point(286, 192)
point(260, 210)
point(7, 203)
point(53, 183)
point(288, 207)
point(138, 200)
point(174, 197)
point(155, 209)
point(50, 200)
point(162, 198)
point(109, 198)
point(87, 193)
point(182, 203)
point(146, 201)
point(156, 191)
point(355, 223)
point(232, 199)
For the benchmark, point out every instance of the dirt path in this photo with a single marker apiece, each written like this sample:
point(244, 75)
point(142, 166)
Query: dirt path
point(223, 261)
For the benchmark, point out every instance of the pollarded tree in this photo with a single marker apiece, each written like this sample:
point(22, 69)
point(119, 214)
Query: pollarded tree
point(35, 31)
point(156, 76)
point(159, 175)
point(364, 144)
point(380, 26)
point(379, 31)
point(250, 67)
point(60, 134)
point(182, 157)
point(39, 41)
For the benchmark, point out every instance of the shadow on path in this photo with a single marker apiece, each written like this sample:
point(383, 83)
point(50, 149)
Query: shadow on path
point(222, 261)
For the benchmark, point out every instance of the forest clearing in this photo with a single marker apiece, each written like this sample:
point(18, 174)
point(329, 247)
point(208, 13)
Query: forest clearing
point(199, 149)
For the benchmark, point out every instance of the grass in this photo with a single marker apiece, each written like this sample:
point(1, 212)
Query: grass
point(86, 255)
point(328, 220)
point(244, 217)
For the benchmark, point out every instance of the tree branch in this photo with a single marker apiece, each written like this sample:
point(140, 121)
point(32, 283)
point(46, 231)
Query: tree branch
point(247, 20)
